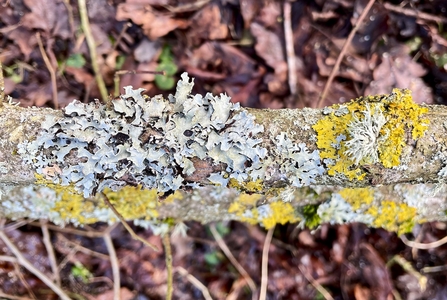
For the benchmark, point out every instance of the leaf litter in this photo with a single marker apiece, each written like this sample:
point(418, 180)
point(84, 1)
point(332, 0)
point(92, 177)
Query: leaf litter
point(235, 47)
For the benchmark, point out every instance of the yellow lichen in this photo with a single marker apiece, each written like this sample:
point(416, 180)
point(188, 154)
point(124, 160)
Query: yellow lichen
point(392, 216)
point(171, 198)
point(243, 207)
point(134, 203)
point(401, 114)
point(251, 186)
point(357, 197)
point(281, 213)
point(268, 215)
point(131, 202)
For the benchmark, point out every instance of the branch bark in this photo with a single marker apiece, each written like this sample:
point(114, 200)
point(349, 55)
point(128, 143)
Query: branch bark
point(288, 190)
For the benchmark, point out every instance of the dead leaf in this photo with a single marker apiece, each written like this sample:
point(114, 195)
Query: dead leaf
point(398, 70)
point(154, 24)
point(49, 15)
point(207, 24)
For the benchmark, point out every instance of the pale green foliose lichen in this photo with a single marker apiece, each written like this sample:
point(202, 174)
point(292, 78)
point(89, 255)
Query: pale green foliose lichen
point(145, 141)
point(150, 142)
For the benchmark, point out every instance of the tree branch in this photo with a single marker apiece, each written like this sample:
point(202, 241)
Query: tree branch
point(190, 157)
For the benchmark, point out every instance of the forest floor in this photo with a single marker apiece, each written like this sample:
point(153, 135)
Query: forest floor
point(264, 54)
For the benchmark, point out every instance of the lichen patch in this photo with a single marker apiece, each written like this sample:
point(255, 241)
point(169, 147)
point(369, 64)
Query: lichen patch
point(145, 141)
point(368, 130)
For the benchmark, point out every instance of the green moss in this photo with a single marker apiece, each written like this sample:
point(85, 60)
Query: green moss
point(401, 115)
point(311, 217)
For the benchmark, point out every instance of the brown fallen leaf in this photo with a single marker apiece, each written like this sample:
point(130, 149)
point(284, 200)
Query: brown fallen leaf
point(398, 70)
point(50, 16)
point(154, 24)
point(207, 25)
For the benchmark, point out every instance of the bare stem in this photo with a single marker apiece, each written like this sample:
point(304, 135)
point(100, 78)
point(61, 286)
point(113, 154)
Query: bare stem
point(92, 47)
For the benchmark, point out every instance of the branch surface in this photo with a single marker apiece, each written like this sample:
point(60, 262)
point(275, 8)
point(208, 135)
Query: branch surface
point(380, 160)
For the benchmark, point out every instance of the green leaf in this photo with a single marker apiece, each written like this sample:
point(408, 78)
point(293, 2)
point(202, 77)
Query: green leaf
point(120, 59)
point(164, 82)
point(222, 229)
point(81, 272)
point(212, 258)
point(76, 60)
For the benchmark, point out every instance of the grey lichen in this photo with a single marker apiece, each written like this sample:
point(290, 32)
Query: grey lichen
point(365, 135)
point(142, 141)
point(300, 166)
point(153, 142)
point(338, 211)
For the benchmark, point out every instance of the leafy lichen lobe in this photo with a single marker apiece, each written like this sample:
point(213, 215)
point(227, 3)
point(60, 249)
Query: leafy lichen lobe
point(368, 130)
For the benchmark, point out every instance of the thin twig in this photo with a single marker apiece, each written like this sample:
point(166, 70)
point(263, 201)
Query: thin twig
point(315, 284)
point(128, 228)
point(69, 9)
point(120, 36)
point(90, 234)
point(343, 51)
point(422, 245)
point(168, 258)
point(12, 297)
point(50, 250)
point(50, 69)
point(265, 264)
point(414, 13)
point(29, 266)
point(115, 266)
point(23, 281)
point(414, 251)
point(80, 248)
point(406, 265)
point(92, 48)
point(290, 50)
point(2, 85)
point(232, 259)
point(195, 282)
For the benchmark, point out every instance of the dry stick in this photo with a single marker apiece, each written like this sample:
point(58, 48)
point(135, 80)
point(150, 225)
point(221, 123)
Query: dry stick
point(90, 234)
point(414, 13)
point(29, 266)
point(422, 245)
point(80, 248)
point(70, 15)
point(343, 51)
point(414, 251)
point(50, 250)
point(128, 228)
point(2, 85)
point(168, 258)
point(315, 284)
point(406, 265)
point(92, 47)
point(290, 50)
point(12, 297)
point(120, 36)
point(195, 282)
point(23, 281)
point(115, 266)
point(232, 259)
point(50, 69)
point(265, 264)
